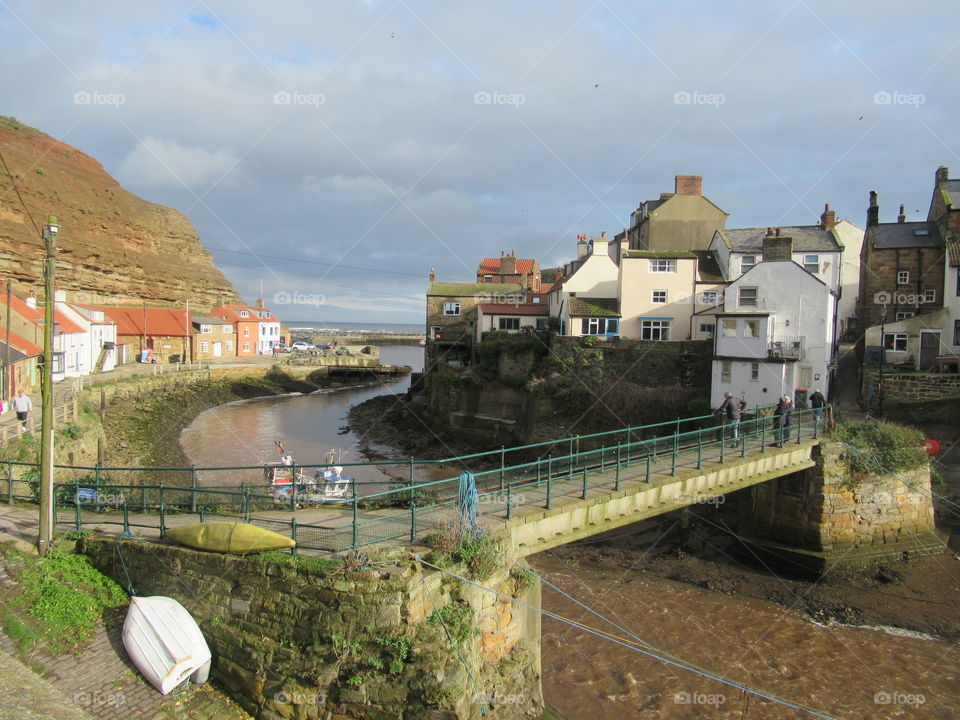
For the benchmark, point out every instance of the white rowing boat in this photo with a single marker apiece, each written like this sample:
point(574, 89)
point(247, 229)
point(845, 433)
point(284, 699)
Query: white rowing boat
point(165, 643)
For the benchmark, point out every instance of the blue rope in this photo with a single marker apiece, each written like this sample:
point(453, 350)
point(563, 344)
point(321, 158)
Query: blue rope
point(467, 503)
point(123, 563)
point(669, 660)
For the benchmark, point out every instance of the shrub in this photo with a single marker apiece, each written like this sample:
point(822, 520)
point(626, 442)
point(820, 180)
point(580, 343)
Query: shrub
point(880, 446)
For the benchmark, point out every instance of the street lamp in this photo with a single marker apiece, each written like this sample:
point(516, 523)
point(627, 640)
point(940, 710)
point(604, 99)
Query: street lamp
point(49, 234)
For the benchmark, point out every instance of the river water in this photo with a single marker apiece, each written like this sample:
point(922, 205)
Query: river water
point(245, 432)
point(840, 671)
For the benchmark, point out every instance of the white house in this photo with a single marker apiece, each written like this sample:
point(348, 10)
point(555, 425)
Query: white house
point(511, 317)
point(100, 348)
point(775, 333)
point(585, 301)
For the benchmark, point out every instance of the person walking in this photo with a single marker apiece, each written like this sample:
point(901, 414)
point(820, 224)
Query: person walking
point(730, 410)
point(787, 418)
point(818, 402)
point(22, 404)
point(779, 418)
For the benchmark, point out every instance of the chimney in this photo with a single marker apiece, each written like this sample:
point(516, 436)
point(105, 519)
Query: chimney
point(582, 250)
point(873, 212)
point(59, 295)
point(777, 248)
point(260, 302)
point(508, 265)
point(829, 218)
point(31, 300)
point(433, 274)
point(688, 184)
point(943, 174)
point(901, 218)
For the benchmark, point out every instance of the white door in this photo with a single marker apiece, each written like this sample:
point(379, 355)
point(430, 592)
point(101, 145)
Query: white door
point(217, 349)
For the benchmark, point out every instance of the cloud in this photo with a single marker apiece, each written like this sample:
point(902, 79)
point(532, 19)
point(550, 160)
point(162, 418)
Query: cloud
point(158, 162)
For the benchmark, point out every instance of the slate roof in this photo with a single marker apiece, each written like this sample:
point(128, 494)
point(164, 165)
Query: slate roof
point(806, 238)
point(204, 320)
point(888, 236)
point(445, 289)
point(658, 254)
point(514, 309)
point(593, 307)
point(149, 321)
point(492, 265)
point(708, 270)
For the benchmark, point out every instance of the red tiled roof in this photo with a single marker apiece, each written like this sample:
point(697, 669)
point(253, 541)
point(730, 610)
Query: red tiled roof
point(24, 346)
point(230, 312)
point(492, 265)
point(35, 315)
point(149, 321)
point(514, 309)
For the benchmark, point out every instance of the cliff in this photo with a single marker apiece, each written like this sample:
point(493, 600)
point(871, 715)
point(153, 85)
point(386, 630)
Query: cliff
point(112, 246)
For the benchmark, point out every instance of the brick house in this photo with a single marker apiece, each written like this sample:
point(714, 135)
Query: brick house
point(213, 337)
point(257, 329)
point(152, 334)
point(508, 269)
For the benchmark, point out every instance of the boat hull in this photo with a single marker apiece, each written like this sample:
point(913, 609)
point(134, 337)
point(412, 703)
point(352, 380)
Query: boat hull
point(230, 537)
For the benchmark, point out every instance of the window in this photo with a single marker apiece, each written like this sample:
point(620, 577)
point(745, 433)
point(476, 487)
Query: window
point(659, 296)
point(729, 327)
point(725, 371)
point(904, 315)
point(243, 313)
point(929, 296)
point(747, 296)
point(751, 328)
point(654, 329)
point(956, 332)
point(754, 371)
point(895, 341)
point(811, 263)
point(228, 345)
point(204, 346)
point(227, 329)
point(591, 326)
point(663, 265)
point(509, 323)
point(903, 277)
point(708, 297)
point(747, 262)
point(246, 346)
point(451, 308)
point(542, 323)
point(246, 332)
point(206, 329)
point(706, 328)
point(535, 299)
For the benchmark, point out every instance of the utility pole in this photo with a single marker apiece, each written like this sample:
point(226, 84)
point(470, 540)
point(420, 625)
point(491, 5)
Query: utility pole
point(46, 419)
point(883, 359)
point(6, 353)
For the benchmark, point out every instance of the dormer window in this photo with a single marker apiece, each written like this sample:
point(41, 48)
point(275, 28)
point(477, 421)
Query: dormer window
point(243, 313)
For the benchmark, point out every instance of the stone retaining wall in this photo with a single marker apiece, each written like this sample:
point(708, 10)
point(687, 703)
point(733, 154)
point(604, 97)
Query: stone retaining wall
point(281, 635)
point(906, 388)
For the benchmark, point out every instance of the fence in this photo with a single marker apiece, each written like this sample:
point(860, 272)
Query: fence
point(12, 430)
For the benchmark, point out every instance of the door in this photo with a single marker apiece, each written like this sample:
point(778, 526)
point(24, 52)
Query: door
point(217, 349)
point(929, 348)
point(806, 376)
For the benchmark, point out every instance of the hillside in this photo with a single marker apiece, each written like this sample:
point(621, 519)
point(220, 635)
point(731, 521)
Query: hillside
point(112, 244)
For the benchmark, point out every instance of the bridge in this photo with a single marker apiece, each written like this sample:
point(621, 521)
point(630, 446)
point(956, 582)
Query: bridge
point(535, 496)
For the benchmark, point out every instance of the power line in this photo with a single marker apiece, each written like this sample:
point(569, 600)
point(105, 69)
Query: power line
point(17, 191)
point(317, 262)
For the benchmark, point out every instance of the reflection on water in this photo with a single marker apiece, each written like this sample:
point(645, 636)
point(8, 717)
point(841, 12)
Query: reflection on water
point(843, 671)
point(245, 432)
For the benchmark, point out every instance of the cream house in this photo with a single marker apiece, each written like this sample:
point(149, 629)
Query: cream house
point(657, 292)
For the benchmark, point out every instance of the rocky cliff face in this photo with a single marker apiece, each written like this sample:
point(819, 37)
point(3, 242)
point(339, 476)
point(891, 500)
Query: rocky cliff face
point(113, 247)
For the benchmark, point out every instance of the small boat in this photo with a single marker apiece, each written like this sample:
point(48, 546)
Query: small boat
point(229, 537)
point(328, 485)
point(423, 342)
point(165, 643)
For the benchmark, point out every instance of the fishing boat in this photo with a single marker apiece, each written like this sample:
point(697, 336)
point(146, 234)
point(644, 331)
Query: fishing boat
point(328, 485)
point(165, 643)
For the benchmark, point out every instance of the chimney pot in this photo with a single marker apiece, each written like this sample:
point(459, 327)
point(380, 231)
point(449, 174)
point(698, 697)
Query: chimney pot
point(943, 174)
point(873, 212)
point(901, 218)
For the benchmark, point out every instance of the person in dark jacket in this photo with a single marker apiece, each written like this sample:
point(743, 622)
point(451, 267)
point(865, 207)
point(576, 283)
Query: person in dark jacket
point(818, 402)
point(782, 420)
point(730, 410)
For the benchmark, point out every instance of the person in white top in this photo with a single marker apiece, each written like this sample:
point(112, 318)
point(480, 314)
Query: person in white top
point(23, 405)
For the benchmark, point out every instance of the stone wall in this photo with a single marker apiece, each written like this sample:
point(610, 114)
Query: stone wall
point(910, 388)
point(825, 510)
point(294, 642)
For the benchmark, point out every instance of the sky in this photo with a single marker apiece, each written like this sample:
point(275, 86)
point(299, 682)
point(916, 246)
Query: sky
point(332, 153)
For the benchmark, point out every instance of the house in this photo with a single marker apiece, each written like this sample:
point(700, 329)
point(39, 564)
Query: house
point(508, 269)
point(657, 294)
point(257, 329)
point(101, 350)
point(21, 360)
point(511, 317)
point(590, 316)
point(709, 286)
point(681, 220)
point(213, 337)
point(151, 334)
point(903, 265)
point(589, 283)
point(70, 340)
point(769, 342)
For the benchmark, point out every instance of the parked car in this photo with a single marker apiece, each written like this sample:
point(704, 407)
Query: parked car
point(302, 346)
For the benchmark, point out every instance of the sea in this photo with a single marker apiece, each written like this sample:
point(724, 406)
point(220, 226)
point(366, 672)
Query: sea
point(334, 326)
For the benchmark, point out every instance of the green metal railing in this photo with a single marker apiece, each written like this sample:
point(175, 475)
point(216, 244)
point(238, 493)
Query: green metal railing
point(405, 509)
